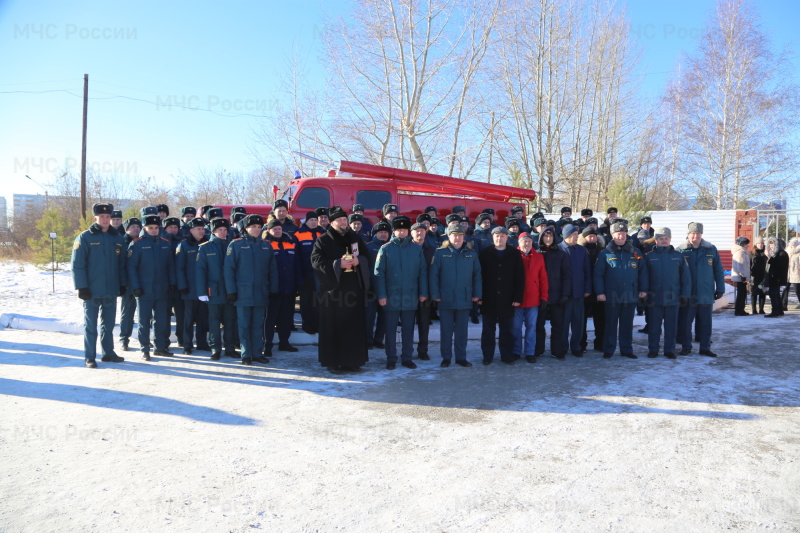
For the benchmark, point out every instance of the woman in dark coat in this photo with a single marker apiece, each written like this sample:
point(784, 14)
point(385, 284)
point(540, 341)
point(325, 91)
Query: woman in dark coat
point(559, 281)
point(343, 288)
point(777, 275)
point(758, 269)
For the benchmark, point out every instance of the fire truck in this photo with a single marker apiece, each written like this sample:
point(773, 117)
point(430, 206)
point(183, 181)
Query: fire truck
point(373, 186)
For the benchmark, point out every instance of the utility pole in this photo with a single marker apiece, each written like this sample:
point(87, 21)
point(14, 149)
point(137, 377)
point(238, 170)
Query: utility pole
point(83, 147)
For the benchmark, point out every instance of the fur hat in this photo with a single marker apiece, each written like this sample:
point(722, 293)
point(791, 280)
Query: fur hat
point(619, 226)
point(253, 220)
point(133, 221)
point(102, 209)
point(273, 222)
point(389, 208)
point(482, 217)
point(695, 227)
point(454, 228)
point(381, 226)
point(116, 213)
point(198, 222)
point(663, 232)
point(586, 212)
point(217, 223)
point(152, 220)
point(188, 210)
point(162, 208)
point(742, 241)
point(401, 222)
point(336, 212)
point(172, 221)
point(355, 217)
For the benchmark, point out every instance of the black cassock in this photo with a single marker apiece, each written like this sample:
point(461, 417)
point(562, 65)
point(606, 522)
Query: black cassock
point(342, 299)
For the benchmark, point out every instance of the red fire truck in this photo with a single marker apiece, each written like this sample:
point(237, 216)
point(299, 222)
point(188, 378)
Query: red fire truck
point(374, 186)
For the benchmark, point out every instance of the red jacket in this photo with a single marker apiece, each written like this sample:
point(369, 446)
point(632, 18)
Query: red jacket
point(535, 279)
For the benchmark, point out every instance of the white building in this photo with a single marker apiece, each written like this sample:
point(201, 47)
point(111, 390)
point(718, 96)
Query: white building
point(3, 214)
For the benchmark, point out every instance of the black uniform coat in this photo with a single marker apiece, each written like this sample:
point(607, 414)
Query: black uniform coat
point(342, 306)
point(503, 280)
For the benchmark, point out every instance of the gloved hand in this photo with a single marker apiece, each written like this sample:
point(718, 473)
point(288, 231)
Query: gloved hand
point(203, 298)
point(184, 291)
point(84, 294)
point(684, 301)
point(122, 290)
point(138, 292)
point(563, 300)
point(232, 297)
point(718, 295)
point(172, 289)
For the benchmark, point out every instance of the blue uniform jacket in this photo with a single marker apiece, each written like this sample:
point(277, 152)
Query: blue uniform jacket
point(98, 262)
point(290, 271)
point(620, 274)
point(481, 238)
point(374, 247)
point(455, 277)
point(251, 271)
point(669, 276)
point(210, 273)
point(580, 269)
point(186, 266)
point(151, 267)
point(706, 270)
point(401, 274)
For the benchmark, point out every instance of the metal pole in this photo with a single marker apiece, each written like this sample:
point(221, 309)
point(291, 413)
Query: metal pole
point(53, 253)
point(83, 147)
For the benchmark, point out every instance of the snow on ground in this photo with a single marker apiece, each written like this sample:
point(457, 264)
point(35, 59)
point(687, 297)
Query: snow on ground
point(185, 443)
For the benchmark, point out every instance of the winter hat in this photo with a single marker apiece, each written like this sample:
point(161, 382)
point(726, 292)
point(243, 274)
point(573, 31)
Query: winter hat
point(645, 220)
point(381, 226)
point(204, 209)
point(611, 210)
point(538, 222)
point(568, 230)
point(619, 226)
point(499, 229)
point(435, 221)
point(431, 208)
point(512, 221)
point(274, 222)
point(663, 232)
point(525, 235)
point(591, 220)
point(355, 217)
point(188, 210)
point(695, 227)
point(214, 212)
point(417, 225)
point(452, 217)
point(742, 241)
point(321, 211)
point(459, 209)
point(488, 210)
point(389, 208)
point(517, 209)
point(566, 210)
point(235, 217)
point(116, 213)
point(483, 216)
point(197, 222)
point(133, 221)
point(589, 231)
point(239, 209)
point(454, 228)
point(152, 220)
point(149, 210)
point(357, 207)
point(280, 203)
point(311, 214)
point(423, 217)
point(172, 221)
point(102, 209)
point(162, 208)
point(401, 222)
point(217, 223)
point(586, 212)
point(336, 212)
point(253, 220)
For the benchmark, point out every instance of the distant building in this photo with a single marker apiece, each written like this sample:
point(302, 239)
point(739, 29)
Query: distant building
point(25, 204)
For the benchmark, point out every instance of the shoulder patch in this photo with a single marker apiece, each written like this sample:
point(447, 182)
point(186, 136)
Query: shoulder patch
point(77, 244)
point(230, 250)
point(130, 252)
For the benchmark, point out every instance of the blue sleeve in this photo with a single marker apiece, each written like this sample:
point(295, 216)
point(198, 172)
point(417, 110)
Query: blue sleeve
point(180, 267)
point(133, 267)
point(172, 277)
point(380, 276)
point(719, 274)
point(201, 274)
point(298, 268)
point(230, 270)
point(599, 274)
point(123, 263)
point(433, 277)
point(423, 275)
point(80, 258)
point(644, 279)
point(587, 275)
point(686, 279)
point(274, 282)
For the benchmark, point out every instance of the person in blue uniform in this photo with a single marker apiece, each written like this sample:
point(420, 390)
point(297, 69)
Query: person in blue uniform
point(188, 213)
point(133, 228)
point(620, 279)
point(175, 304)
point(669, 286)
point(280, 311)
point(708, 284)
point(98, 274)
point(401, 283)
point(251, 274)
point(151, 275)
point(210, 288)
point(195, 312)
point(581, 288)
point(419, 230)
point(116, 221)
point(376, 323)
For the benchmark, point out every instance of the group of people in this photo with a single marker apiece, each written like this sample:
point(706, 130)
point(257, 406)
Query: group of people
point(771, 268)
point(232, 283)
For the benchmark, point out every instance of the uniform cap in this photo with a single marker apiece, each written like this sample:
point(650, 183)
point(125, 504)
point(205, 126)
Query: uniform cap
point(401, 222)
point(162, 208)
point(172, 221)
point(389, 208)
point(499, 229)
point(217, 223)
point(133, 221)
point(695, 227)
point(116, 213)
point(198, 222)
point(454, 228)
point(663, 232)
point(336, 212)
point(188, 210)
point(152, 220)
point(586, 212)
point(253, 220)
point(619, 226)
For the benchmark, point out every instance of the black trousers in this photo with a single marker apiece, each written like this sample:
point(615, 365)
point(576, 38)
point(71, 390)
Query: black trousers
point(741, 297)
point(597, 311)
point(775, 299)
point(424, 310)
point(757, 296)
point(554, 313)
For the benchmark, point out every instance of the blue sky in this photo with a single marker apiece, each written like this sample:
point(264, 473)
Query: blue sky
point(221, 58)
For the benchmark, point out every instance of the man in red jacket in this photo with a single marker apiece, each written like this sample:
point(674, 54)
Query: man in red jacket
point(535, 294)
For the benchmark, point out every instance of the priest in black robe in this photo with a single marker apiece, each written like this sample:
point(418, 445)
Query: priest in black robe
point(341, 262)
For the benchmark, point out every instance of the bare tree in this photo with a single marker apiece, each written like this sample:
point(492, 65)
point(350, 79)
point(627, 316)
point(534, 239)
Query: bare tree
point(738, 109)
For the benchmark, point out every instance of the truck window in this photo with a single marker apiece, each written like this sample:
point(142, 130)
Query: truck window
point(373, 199)
point(313, 197)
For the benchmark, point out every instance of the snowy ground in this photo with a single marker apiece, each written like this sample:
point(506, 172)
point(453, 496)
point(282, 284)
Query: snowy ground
point(182, 444)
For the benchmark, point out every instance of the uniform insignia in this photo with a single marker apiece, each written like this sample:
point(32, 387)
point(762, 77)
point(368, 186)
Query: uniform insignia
point(634, 264)
point(117, 250)
point(76, 245)
point(229, 251)
point(711, 261)
point(130, 252)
